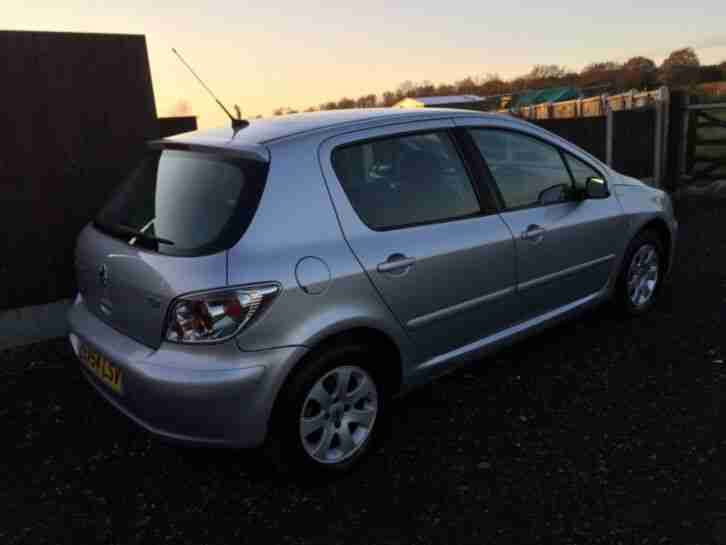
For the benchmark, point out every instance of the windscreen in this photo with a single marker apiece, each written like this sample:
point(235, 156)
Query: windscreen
point(185, 202)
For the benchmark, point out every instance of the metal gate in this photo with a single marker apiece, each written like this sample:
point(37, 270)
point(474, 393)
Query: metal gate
point(706, 141)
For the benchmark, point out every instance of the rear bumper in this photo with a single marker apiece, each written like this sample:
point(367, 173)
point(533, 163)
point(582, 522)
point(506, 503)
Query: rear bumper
point(213, 395)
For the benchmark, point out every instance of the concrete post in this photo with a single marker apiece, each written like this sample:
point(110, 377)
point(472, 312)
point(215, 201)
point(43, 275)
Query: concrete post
point(609, 133)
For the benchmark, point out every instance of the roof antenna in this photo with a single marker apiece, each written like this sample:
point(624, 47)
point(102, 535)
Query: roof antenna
point(237, 123)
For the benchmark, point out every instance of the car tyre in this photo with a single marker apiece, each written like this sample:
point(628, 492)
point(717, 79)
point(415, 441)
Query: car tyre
point(317, 407)
point(641, 274)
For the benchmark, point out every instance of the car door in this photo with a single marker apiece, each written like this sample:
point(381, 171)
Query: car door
point(566, 246)
point(442, 260)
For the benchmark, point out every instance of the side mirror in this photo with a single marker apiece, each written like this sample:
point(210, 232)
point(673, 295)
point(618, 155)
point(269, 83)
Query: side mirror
point(596, 188)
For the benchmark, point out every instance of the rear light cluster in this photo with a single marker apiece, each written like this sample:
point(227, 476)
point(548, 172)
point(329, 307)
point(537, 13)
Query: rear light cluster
point(218, 315)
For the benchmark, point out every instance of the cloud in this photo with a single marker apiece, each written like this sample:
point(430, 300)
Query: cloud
point(712, 41)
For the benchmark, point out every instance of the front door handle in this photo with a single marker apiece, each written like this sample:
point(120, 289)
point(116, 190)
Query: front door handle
point(396, 263)
point(534, 233)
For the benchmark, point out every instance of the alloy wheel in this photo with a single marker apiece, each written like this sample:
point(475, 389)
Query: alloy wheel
point(643, 275)
point(338, 414)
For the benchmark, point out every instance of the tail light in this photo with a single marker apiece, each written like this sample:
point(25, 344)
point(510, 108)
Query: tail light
point(218, 315)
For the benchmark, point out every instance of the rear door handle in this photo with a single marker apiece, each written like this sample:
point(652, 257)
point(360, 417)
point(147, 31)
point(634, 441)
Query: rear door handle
point(396, 263)
point(534, 233)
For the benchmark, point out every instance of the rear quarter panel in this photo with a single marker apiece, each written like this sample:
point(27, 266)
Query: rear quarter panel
point(296, 220)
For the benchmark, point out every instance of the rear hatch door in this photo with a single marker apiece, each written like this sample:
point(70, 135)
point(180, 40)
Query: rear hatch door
point(165, 233)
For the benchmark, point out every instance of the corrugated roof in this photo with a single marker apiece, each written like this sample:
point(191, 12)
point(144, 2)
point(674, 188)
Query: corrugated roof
point(450, 99)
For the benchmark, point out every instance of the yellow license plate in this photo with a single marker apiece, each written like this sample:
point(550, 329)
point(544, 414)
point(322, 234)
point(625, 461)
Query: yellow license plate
point(100, 366)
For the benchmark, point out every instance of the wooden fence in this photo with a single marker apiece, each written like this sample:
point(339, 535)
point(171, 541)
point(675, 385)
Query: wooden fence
point(590, 133)
point(628, 131)
point(588, 107)
point(169, 126)
point(79, 108)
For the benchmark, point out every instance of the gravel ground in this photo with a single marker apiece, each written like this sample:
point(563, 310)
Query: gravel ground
point(602, 430)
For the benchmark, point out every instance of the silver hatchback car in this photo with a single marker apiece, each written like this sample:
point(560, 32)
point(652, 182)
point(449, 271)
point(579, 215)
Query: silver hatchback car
point(278, 284)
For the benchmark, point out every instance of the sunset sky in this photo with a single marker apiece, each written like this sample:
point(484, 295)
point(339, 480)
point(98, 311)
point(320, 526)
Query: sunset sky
point(263, 55)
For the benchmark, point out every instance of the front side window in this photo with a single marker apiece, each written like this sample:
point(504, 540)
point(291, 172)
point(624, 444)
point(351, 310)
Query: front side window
point(527, 171)
point(581, 171)
point(405, 180)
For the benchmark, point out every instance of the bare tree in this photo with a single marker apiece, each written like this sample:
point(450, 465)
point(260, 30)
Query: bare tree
point(425, 88)
point(642, 64)
point(366, 101)
point(444, 89)
point(345, 103)
point(637, 73)
point(285, 110)
point(600, 67)
point(388, 98)
point(680, 67)
point(492, 84)
point(599, 73)
point(406, 88)
point(682, 57)
point(546, 71)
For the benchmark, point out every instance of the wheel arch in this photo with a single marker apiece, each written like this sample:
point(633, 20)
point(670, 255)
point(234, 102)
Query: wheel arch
point(660, 228)
point(387, 348)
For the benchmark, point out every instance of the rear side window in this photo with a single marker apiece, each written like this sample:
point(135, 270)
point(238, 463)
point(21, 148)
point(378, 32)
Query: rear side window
point(185, 203)
point(523, 167)
point(405, 180)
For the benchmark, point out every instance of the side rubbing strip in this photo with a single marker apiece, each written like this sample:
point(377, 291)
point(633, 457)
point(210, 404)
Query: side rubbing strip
point(461, 307)
point(564, 272)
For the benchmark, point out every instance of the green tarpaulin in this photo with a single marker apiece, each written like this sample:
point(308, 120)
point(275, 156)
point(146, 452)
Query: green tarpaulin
point(553, 94)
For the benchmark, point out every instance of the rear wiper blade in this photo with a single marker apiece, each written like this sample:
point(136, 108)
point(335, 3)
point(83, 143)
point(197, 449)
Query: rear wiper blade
point(126, 230)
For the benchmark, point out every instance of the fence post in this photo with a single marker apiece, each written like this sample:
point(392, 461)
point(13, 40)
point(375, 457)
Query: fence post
point(665, 97)
point(609, 133)
point(658, 139)
point(684, 137)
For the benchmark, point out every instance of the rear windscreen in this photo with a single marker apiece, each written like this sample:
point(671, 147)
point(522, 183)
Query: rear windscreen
point(185, 202)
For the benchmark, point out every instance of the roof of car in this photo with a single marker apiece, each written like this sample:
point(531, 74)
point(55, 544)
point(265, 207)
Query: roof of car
point(262, 131)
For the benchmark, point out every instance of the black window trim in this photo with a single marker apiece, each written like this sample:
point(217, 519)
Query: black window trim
point(463, 156)
point(489, 179)
point(565, 153)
